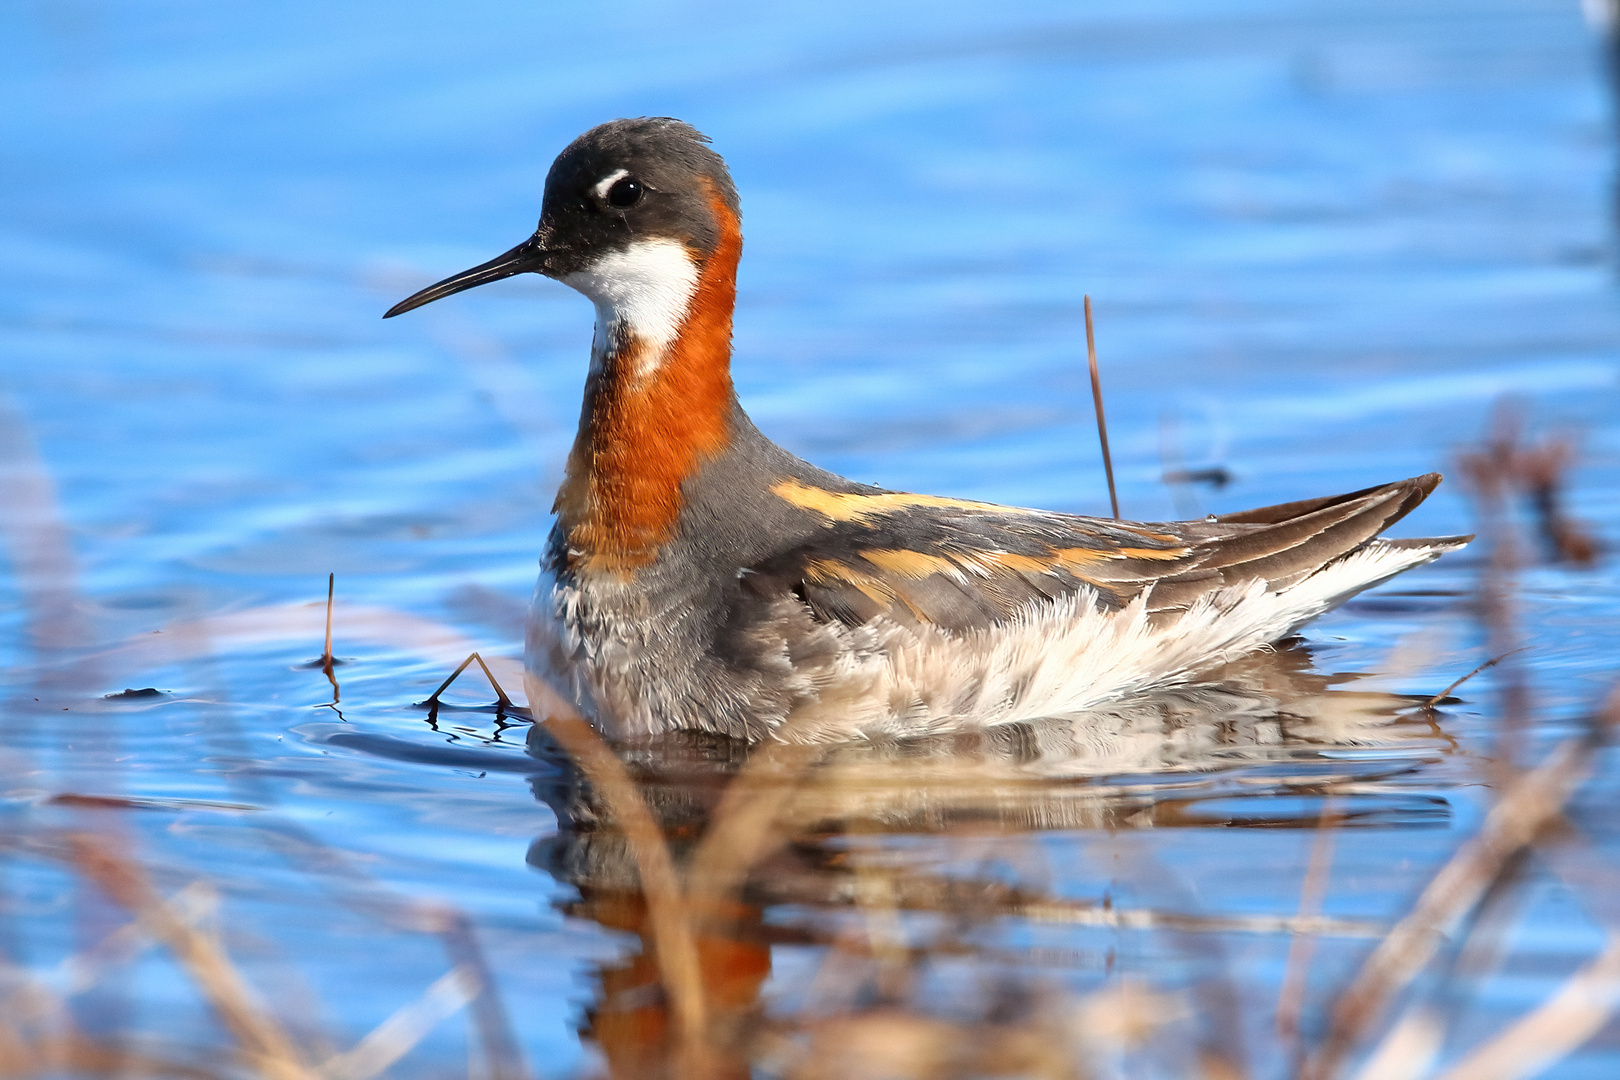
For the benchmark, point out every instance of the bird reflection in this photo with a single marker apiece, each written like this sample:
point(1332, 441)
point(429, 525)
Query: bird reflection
point(882, 818)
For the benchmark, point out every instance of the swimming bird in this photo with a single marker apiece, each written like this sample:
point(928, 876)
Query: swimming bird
point(700, 577)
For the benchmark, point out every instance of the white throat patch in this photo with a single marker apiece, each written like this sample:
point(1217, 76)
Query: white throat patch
point(645, 289)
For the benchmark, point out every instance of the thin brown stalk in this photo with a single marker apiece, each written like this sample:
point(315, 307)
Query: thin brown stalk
point(1492, 662)
point(328, 664)
point(745, 821)
point(877, 898)
point(75, 1054)
point(1580, 1007)
point(1409, 1050)
point(502, 1056)
point(1075, 913)
point(1492, 475)
point(1219, 1048)
point(1291, 997)
point(1097, 401)
point(37, 540)
point(331, 589)
point(433, 698)
point(264, 1045)
point(1528, 805)
point(395, 1036)
point(838, 978)
point(673, 941)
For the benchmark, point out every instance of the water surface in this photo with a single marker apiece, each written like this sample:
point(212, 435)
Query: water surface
point(1323, 240)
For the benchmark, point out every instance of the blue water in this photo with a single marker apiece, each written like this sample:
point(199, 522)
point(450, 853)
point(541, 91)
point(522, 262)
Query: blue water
point(1323, 240)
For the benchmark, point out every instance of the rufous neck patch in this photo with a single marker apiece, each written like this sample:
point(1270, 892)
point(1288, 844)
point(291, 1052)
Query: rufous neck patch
point(648, 424)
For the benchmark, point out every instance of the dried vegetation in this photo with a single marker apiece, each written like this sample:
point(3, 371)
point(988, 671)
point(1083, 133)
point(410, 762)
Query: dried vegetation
point(782, 932)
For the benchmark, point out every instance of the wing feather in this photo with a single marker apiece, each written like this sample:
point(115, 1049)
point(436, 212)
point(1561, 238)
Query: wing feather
point(961, 566)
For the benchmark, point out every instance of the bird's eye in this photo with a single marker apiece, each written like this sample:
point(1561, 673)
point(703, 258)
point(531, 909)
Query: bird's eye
point(625, 193)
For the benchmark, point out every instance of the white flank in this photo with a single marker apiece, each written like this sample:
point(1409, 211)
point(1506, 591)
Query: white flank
point(1064, 658)
point(645, 289)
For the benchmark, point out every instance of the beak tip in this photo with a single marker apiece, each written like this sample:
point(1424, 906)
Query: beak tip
point(524, 258)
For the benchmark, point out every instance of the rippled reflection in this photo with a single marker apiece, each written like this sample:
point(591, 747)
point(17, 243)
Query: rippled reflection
point(928, 851)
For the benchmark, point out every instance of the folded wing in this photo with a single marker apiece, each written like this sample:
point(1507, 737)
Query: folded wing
point(962, 566)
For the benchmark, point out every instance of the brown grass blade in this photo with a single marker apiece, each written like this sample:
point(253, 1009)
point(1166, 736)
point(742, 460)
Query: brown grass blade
point(74, 1054)
point(1529, 803)
point(678, 965)
point(328, 663)
point(1492, 662)
point(1580, 1007)
point(1291, 995)
point(503, 1059)
point(1097, 402)
point(394, 1037)
point(744, 825)
point(264, 1045)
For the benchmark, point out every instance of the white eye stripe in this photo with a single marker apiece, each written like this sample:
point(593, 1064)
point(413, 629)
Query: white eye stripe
point(608, 181)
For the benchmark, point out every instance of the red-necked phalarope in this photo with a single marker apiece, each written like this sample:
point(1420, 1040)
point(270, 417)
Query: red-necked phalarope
point(701, 577)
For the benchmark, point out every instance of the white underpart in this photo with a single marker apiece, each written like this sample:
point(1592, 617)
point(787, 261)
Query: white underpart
point(645, 289)
point(1063, 658)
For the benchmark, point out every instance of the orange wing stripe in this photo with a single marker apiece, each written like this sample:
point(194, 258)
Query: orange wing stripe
point(825, 571)
point(841, 506)
point(911, 564)
point(1160, 554)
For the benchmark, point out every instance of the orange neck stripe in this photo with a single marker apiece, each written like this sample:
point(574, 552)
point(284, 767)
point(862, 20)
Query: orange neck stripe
point(640, 438)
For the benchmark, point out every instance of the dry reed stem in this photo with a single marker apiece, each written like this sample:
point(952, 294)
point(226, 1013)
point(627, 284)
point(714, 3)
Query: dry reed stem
point(1085, 913)
point(37, 539)
point(1291, 995)
point(1408, 1050)
point(744, 822)
point(263, 1044)
point(1491, 472)
point(1558, 1026)
point(1220, 1050)
point(33, 1001)
point(397, 1035)
point(837, 979)
point(1528, 805)
point(504, 702)
point(75, 1054)
point(673, 940)
point(1595, 885)
point(1492, 662)
point(328, 661)
point(1414, 1041)
point(502, 1057)
point(355, 888)
point(1485, 940)
point(876, 898)
point(192, 904)
point(1097, 402)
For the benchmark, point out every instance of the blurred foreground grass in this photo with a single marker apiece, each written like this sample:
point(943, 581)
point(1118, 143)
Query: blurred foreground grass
point(695, 848)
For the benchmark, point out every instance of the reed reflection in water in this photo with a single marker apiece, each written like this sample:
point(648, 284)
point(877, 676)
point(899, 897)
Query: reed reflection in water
point(903, 880)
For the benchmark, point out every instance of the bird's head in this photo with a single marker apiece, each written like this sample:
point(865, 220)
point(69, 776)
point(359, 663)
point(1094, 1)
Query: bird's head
point(636, 213)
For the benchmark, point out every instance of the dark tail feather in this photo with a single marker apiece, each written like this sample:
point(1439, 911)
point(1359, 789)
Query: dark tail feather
point(1294, 540)
point(1414, 491)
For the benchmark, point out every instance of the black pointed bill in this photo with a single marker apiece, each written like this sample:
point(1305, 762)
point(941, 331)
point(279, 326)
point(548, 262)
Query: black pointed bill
point(528, 257)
